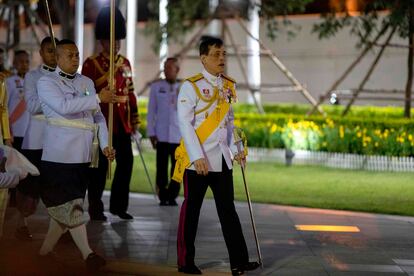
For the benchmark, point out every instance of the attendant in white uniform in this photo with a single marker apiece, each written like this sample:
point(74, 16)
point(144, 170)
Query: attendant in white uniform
point(75, 123)
point(18, 115)
point(27, 194)
point(163, 130)
point(205, 118)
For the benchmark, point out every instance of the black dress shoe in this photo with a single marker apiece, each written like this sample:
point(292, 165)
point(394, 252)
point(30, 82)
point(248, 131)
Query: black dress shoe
point(163, 203)
point(94, 262)
point(237, 271)
point(123, 215)
point(98, 217)
point(23, 234)
point(172, 202)
point(245, 267)
point(189, 269)
point(251, 266)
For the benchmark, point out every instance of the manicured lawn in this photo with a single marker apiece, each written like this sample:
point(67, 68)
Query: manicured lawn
point(312, 186)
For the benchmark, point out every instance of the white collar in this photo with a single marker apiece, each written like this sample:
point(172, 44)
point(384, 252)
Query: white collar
point(210, 78)
point(65, 75)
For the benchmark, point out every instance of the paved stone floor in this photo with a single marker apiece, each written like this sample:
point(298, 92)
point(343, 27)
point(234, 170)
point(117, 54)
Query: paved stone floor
point(294, 241)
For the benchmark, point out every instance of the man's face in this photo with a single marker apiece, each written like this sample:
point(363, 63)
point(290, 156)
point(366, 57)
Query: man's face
point(171, 70)
point(47, 52)
point(215, 61)
point(21, 63)
point(68, 58)
point(106, 46)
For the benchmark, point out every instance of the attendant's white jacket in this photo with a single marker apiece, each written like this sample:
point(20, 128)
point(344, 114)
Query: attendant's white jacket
point(220, 143)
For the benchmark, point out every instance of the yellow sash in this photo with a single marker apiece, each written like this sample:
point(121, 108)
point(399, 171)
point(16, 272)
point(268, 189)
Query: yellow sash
point(206, 128)
point(203, 132)
point(4, 114)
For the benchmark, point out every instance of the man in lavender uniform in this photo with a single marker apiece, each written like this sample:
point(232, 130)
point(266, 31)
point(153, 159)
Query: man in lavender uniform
point(163, 130)
point(75, 123)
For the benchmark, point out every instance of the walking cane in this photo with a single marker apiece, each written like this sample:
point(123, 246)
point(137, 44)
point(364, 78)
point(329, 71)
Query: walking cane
point(238, 141)
point(137, 137)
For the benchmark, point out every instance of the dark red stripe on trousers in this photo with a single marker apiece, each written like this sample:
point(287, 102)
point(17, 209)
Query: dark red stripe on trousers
point(181, 246)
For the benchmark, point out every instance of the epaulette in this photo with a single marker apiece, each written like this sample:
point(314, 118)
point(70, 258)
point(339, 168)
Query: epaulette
point(228, 78)
point(121, 58)
point(195, 78)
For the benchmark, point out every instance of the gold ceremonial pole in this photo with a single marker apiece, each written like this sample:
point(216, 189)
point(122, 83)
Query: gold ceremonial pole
point(111, 80)
point(49, 23)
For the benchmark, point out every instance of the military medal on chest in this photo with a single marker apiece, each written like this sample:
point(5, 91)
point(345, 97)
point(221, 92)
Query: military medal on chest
point(206, 93)
point(85, 90)
point(19, 86)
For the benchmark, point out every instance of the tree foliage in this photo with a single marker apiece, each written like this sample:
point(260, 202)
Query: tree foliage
point(183, 15)
point(374, 15)
point(276, 13)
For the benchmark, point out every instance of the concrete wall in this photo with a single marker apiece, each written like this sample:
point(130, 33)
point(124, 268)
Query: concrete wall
point(315, 63)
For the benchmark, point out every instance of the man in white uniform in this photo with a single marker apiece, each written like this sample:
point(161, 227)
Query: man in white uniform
point(205, 157)
point(18, 116)
point(27, 194)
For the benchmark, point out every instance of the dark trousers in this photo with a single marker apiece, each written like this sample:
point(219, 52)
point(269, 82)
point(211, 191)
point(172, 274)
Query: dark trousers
point(195, 187)
point(166, 191)
point(17, 143)
point(122, 177)
point(30, 185)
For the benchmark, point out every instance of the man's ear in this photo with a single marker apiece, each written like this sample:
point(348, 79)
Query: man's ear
point(203, 59)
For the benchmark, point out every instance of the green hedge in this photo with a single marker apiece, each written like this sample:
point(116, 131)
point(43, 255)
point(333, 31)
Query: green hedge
point(372, 136)
point(367, 130)
point(331, 110)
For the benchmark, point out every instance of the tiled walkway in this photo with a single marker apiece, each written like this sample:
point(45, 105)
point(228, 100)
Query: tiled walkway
point(376, 245)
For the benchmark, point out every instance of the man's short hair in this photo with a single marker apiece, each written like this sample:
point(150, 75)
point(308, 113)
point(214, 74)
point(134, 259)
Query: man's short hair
point(173, 59)
point(48, 39)
point(65, 41)
point(207, 42)
point(20, 52)
point(1, 51)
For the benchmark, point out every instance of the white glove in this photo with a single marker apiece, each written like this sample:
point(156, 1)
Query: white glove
point(137, 136)
point(22, 173)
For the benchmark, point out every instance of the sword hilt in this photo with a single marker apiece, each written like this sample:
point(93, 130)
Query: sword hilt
point(238, 141)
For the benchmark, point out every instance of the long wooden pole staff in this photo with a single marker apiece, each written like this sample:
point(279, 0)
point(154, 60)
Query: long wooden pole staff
point(111, 80)
point(49, 23)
